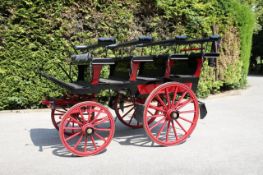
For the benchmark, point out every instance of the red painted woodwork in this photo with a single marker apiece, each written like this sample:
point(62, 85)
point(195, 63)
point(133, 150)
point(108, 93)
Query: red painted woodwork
point(135, 67)
point(96, 73)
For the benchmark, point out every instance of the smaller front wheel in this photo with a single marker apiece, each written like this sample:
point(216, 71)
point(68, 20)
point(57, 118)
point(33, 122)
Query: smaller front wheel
point(94, 128)
point(177, 113)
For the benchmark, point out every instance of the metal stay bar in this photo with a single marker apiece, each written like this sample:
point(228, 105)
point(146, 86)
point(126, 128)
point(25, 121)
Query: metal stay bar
point(102, 42)
point(140, 40)
point(182, 40)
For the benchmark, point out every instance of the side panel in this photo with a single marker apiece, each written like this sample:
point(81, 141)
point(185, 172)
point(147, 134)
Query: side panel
point(147, 89)
point(96, 73)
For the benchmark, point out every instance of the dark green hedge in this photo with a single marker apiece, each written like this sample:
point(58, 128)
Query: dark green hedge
point(37, 34)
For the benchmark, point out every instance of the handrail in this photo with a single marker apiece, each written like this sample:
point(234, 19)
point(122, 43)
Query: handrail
point(180, 41)
point(140, 40)
point(102, 42)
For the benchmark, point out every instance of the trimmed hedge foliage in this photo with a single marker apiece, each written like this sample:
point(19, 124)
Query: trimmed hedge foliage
point(38, 34)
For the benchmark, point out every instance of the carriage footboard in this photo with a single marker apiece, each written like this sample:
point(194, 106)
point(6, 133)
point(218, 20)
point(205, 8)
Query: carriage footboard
point(69, 86)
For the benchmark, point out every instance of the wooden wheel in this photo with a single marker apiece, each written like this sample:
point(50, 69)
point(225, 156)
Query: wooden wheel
point(177, 116)
point(56, 116)
point(124, 107)
point(93, 131)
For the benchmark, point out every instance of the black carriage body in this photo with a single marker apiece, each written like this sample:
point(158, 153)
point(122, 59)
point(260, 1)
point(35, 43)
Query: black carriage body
point(139, 74)
point(151, 91)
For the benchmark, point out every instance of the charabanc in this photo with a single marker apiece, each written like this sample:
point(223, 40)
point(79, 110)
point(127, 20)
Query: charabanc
point(151, 91)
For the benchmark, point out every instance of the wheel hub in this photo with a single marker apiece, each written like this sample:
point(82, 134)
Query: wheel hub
point(172, 115)
point(89, 131)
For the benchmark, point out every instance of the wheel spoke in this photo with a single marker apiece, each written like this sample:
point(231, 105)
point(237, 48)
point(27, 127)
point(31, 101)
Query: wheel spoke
point(85, 143)
point(150, 112)
point(174, 129)
point(180, 99)
point(95, 120)
point(161, 130)
point(99, 136)
point(131, 118)
point(71, 128)
point(168, 97)
point(179, 124)
point(78, 142)
point(186, 112)
point(127, 112)
point(72, 136)
point(160, 100)
point(67, 122)
point(73, 124)
point(186, 120)
point(156, 108)
point(75, 121)
point(95, 117)
point(93, 142)
point(175, 94)
point(168, 131)
point(155, 116)
point(82, 116)
point(100, 121)
point(184, 104)
point(157, 123)
point(90, 114)
point(126, 106)
point(102, 129)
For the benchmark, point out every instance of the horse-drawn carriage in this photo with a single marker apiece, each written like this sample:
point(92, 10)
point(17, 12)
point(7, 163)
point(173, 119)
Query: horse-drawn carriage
point(156, 92)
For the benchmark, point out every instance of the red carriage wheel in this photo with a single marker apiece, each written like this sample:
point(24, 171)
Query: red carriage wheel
point(93, 131)
point(177, 115)
point(124, 107)
point(56, 116)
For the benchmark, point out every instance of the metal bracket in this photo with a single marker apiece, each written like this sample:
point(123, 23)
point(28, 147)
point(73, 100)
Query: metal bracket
point(138, 114)
point(203, 110)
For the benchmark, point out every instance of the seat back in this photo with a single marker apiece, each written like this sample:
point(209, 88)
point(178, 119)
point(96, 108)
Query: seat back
point(184, 65)
point(155, 68)
point(121, 69)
